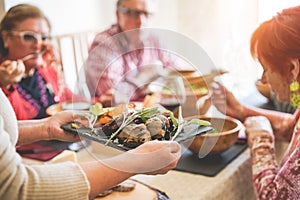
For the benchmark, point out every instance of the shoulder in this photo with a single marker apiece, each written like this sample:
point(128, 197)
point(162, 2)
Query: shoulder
point(102, 37)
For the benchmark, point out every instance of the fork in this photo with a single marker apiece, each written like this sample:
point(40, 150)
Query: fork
point(33, 55)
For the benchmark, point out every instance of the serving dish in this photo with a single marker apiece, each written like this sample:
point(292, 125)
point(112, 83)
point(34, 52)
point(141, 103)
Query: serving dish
point(203, 104)
point(222, 138)
point(187, 72)
point(129, 130)
point(199, 80)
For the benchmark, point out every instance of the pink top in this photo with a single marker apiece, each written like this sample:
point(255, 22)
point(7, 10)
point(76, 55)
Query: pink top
point(110, 58)
point(271, 181)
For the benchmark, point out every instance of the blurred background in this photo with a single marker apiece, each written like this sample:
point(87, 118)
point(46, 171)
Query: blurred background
point(221, 27)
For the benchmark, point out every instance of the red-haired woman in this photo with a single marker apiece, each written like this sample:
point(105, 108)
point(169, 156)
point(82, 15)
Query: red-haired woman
point(276, 45)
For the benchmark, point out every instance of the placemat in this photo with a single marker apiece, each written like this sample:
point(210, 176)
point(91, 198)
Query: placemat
point(210, 165)
point(38, 152)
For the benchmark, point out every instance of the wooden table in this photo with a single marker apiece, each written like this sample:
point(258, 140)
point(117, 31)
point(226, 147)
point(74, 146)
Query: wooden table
point(234, 182)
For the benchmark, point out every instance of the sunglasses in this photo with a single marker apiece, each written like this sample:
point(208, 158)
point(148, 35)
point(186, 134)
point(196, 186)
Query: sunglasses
point(133, 12)
point(31, 37)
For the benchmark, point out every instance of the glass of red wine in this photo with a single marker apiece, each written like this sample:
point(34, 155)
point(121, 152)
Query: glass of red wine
point(171, 92)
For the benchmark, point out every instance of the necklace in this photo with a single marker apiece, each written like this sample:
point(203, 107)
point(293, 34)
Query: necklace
point(41, 98)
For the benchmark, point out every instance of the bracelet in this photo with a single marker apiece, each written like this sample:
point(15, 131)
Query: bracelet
point(263, 139)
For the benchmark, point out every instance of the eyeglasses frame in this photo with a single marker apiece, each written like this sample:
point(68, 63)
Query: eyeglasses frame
point(134, 13)
point(37, 36)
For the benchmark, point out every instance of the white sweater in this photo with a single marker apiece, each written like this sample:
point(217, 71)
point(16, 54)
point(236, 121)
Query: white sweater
point(18, 181)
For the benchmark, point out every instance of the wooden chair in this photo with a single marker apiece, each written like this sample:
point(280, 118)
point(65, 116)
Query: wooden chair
point(73, 51)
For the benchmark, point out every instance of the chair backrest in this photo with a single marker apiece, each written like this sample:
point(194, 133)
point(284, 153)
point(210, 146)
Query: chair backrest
point(73, 51)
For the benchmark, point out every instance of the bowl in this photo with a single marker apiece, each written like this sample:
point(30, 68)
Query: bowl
point(213, 143)
point(264, 89)
point(187, 72)
point(203, 104)
point(199, 80)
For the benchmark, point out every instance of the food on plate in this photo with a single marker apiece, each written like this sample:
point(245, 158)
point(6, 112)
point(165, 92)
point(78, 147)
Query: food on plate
point(104, 118)
point(134, 135)
point(134, 127)
point(141, 126)
point(76, 125)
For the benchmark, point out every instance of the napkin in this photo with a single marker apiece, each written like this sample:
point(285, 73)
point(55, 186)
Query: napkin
point(38, 152)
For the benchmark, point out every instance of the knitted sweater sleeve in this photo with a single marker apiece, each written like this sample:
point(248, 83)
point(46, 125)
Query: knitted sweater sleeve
point(55, 181)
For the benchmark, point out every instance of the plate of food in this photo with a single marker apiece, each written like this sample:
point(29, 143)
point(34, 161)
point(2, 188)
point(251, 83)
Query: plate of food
point(125, 129)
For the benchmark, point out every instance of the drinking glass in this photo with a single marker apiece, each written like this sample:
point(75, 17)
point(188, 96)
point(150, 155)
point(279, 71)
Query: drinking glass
point(170, 91)
point(80, 98)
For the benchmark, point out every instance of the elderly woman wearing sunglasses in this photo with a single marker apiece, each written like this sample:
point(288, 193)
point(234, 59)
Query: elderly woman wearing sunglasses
point(28, 72)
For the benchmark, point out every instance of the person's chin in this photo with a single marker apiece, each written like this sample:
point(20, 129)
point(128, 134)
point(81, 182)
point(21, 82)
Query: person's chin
point(35, 62)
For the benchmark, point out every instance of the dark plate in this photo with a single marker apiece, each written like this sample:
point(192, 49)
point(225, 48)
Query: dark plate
point(188, 132)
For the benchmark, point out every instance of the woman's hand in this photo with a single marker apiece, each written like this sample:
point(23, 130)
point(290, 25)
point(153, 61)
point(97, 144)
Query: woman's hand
point(226, 103)
point(46, 129)
point(159, 156)
point(54, 123)
point(11, 72)
point(154, 157)
point(257, 128)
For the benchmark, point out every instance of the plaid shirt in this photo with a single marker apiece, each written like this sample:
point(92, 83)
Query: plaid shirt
point(111, 56)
